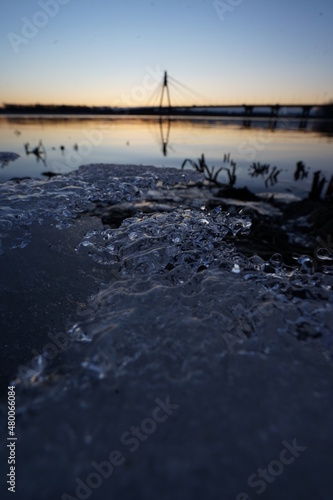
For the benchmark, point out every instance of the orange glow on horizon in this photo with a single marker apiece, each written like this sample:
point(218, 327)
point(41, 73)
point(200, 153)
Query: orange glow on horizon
point(124, 99)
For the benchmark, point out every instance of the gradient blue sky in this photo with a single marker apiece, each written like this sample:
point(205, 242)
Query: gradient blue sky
point(97, 52)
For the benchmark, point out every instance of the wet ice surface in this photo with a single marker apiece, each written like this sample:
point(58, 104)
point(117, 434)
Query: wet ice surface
point(243, 346)
point(64, 197)
point(6, 157)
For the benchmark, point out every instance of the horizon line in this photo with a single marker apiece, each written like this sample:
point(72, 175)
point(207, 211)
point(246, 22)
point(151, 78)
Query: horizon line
point(92, 106)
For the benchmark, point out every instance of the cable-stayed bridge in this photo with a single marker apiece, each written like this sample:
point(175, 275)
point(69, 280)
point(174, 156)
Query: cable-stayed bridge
point(170, 93)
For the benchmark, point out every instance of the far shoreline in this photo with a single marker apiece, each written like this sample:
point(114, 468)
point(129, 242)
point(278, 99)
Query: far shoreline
point(269, 111)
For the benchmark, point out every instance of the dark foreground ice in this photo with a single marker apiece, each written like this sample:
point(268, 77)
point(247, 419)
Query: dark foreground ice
point(152, 358)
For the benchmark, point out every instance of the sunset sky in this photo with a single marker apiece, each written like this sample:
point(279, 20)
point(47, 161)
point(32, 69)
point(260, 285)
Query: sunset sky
point(114, 52)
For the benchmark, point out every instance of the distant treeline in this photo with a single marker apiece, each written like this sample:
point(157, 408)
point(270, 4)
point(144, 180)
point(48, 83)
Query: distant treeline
point(46, 109)
point(56, 109)
point(325, 110)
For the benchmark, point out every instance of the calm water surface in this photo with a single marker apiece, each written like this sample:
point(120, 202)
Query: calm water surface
point(73, 141)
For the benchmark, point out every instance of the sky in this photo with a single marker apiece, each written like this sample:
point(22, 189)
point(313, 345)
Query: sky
point(114, 52)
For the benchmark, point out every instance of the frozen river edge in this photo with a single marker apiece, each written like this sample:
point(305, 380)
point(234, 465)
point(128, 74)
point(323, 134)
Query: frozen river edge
point(184, 337)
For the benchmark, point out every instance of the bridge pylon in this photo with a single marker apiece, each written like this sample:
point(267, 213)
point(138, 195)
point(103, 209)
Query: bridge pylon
point(165, 88)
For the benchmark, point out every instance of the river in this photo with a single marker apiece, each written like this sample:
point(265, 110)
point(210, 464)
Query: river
point(71, 141)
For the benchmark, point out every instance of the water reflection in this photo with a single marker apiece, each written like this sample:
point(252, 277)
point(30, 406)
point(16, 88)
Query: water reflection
point(165, 126)
point(273, 177)
point(300, 172)
point(257, 170)
point(212, 176)
point(39, 152)
point(69, 142)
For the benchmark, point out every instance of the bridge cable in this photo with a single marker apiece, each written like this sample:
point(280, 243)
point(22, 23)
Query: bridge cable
point(192, 91)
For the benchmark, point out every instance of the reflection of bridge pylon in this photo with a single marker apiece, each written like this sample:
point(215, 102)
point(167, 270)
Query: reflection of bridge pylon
point(166, 89)
point(165, 137)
